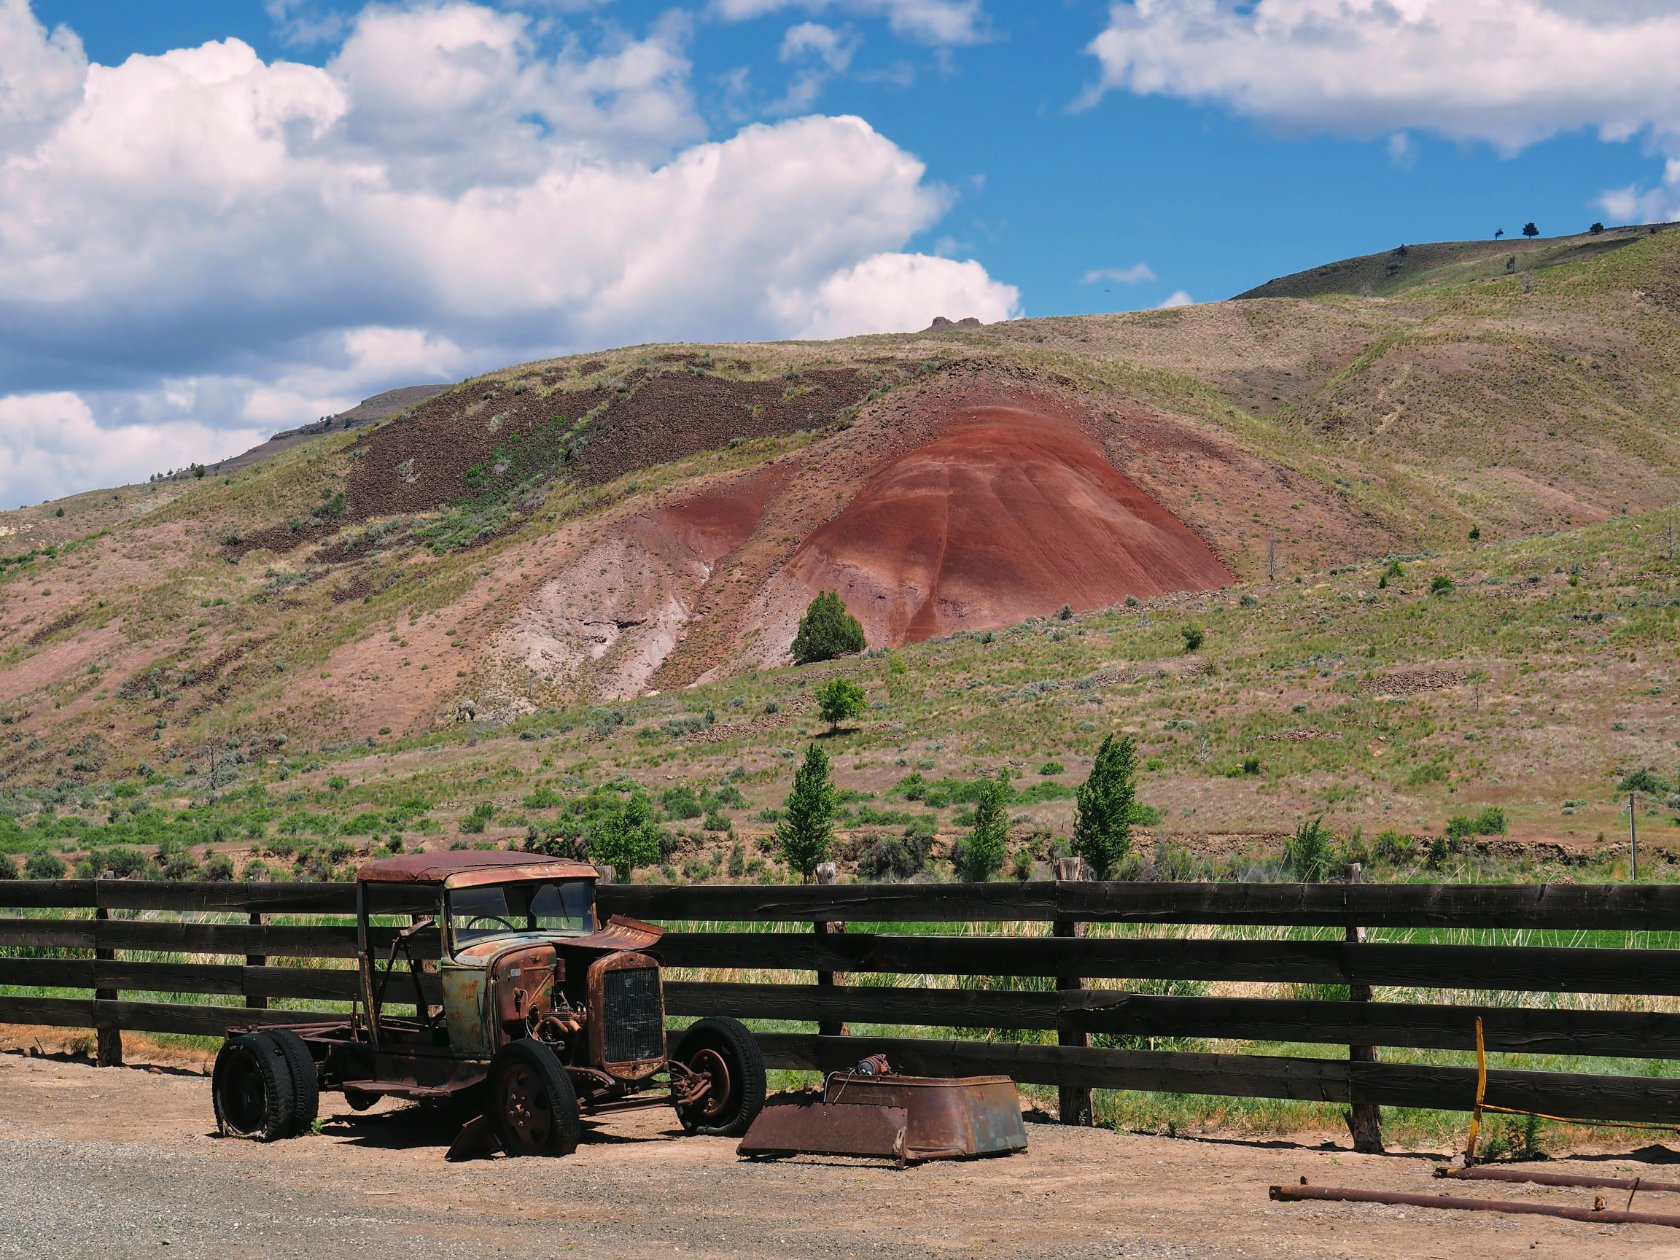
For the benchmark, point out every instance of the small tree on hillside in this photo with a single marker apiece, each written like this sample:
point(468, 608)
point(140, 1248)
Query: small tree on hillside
point(625, 836)
point(1106, 802)
point(1308, 853)
point(838, 700)
point(987, 843)
point(807, 827)
point(826, 631)
point(1596, 228)
point(1530, 230)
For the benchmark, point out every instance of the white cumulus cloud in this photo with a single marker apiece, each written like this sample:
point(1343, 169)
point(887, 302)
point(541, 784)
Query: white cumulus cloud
point(820, 52)
point(938, 22)
point(1506, 72)
point(1137, 273)
point(898, 293)
point(1177, 298)
point(203, 238)
point(51, 443)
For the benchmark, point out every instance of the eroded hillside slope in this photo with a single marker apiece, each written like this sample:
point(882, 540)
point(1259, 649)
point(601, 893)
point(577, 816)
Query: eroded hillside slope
point(644, 519)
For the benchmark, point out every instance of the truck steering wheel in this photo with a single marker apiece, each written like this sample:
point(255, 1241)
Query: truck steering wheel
point(473, 922)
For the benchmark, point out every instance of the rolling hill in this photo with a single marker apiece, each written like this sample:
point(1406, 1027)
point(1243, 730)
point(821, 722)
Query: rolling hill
point(587, 536)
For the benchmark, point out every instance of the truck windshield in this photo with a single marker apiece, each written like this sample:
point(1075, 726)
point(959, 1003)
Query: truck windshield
point(497, 909)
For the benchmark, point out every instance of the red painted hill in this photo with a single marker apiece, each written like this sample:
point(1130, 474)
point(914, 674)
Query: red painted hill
point(1008, 513)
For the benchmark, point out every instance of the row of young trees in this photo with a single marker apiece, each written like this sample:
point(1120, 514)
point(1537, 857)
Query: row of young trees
point(1106, 809)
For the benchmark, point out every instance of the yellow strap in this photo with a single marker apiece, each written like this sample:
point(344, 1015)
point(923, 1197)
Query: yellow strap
point(1481, 1093)
point(1593, 1124)
point(1481, 1106)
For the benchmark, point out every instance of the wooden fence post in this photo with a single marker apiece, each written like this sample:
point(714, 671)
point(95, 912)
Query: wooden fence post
point(828, 873)
point(1364, 1119)
point(108, 1051)
point(1073, 1102)
point(254, 1001)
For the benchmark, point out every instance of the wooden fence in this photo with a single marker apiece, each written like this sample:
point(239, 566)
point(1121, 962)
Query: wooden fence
point(807, 941)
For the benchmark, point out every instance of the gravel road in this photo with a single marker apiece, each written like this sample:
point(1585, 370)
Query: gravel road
point(123, 1162)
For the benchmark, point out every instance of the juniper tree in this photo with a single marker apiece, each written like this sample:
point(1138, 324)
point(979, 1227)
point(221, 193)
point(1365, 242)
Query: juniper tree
point(826, 631)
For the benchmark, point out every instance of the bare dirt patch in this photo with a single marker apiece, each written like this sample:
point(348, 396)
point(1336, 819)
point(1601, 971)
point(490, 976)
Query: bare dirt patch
point(140, 1146)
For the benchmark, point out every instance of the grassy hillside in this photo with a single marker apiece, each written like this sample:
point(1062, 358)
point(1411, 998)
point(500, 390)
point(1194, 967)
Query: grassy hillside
point(365, 625)
point(1531, 676)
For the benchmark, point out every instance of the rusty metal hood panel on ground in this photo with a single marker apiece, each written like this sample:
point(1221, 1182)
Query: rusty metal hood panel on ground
point(805, 1125)
point(943, 1118)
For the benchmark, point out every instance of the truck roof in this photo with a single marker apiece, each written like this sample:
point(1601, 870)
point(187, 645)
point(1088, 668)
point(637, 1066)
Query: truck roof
point(468, 868)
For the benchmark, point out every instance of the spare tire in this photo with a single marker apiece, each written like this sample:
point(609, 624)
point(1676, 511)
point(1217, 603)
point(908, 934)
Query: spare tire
point(251, 1089)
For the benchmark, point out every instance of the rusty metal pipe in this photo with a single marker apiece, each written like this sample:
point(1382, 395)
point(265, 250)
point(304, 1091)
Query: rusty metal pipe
point(1339, 1194)
point(1585, 1180)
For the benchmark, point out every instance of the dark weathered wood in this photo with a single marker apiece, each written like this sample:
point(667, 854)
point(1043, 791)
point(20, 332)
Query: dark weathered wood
point(46, 933)
point(47, 973)
point(1578, 1095)
point(33, 894)
point(1586, 907)
point(202, 1021)
point(1364, 1118)
point(1073, 1013)
point(53, 1012)
point(1643, 907)
point(808, 903)
point(1533, 969)
point(827, 876)
point(937, 1008)
point(1607, 1034)
point(275, 898)
point(110, 1047)
point(273, 941)
point(1582, 907)
point(166, 1017)
point(256, 1001)
point(1073, 1102)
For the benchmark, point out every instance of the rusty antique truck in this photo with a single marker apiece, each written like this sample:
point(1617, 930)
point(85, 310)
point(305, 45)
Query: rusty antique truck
point(534, 1014)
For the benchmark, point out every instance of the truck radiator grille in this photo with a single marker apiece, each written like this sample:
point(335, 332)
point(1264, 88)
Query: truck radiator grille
point(633, 1018)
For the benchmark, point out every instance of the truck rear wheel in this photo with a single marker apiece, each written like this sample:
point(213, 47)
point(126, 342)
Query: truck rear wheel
point(251, 1089)
point(722, 1049)
point(306, 1082)
point(532, 1106)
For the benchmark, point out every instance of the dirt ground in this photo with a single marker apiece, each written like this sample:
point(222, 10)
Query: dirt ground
point(124, 1162)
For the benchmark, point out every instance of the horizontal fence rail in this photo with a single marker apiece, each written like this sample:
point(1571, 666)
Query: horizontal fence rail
point(119, 949)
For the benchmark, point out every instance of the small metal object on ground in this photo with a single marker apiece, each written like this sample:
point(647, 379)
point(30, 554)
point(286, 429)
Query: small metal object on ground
point(954, 1117)
point(476, 1140)
point(875, 1113)
point(1340, 1194)
point(807, 1126)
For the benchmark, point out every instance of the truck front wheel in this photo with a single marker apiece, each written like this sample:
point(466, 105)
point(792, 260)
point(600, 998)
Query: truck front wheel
point(722, 1049)
point(533, 1107)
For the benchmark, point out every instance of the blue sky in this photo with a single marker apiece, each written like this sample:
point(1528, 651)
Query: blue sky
point(220, 219)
